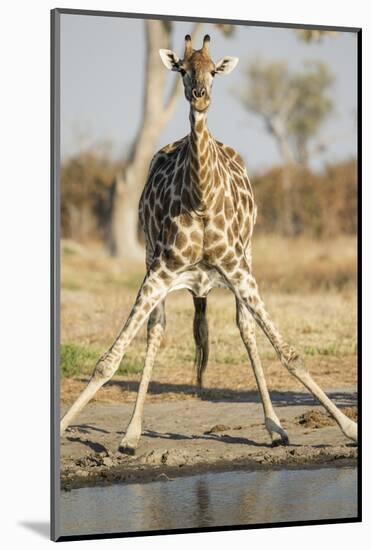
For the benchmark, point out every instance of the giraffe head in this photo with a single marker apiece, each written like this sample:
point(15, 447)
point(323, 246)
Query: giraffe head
point(198, 71)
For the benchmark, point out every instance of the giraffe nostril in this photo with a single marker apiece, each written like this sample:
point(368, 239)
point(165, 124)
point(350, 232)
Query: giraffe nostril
point(198, 92)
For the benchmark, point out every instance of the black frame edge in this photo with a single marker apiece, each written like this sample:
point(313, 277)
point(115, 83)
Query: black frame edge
point(54, 272)
point(359, 267)
point(242, 22)
point(309, 523)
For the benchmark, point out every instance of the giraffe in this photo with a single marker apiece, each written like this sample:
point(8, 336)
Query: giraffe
point(198, 213)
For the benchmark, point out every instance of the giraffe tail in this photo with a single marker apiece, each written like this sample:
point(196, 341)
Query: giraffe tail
point(201, 336)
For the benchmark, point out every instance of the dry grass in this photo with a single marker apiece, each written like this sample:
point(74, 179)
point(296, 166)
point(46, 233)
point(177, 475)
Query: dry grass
point(308, 288)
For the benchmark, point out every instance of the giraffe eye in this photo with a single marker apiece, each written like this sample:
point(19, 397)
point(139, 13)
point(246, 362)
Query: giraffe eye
point(213, 73)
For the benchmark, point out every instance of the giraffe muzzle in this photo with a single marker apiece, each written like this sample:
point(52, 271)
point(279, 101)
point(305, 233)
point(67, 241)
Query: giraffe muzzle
point(198, 92)
point(200, 102)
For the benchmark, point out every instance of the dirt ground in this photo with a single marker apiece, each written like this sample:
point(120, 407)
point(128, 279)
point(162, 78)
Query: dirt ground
point(195, 435)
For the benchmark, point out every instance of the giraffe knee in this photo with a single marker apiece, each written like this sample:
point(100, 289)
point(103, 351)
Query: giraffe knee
point(105, 367)
point(157, 319)
point(248, 336)
point(295, 364)
point(156, 332)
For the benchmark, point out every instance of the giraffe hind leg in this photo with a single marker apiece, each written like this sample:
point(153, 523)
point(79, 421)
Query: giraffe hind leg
point(246, 325)
point(155, 331)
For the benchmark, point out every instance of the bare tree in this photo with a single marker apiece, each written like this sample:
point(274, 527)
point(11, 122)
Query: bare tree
point(311, 108)
point(293, 107)
point(155, 114)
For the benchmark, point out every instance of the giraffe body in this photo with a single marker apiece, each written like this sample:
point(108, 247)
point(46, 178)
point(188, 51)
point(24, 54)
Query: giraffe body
point(194, 236)
point(198, 214)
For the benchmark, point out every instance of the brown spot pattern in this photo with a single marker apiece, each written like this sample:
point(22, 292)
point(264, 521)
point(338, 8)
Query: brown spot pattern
point(195, 179)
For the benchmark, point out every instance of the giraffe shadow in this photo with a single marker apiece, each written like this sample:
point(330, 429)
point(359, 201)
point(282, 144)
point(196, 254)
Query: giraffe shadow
point(282, 398)
point(93, 445)
point(166, 435)
point(222, 438)
point(85, 429)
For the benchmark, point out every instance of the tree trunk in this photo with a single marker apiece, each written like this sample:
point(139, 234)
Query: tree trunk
point(124, 237)
point(155, 115)
point(287, 223)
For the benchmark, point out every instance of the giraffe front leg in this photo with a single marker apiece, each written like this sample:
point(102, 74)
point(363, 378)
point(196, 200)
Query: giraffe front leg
point(246, 325)
point(156, 328)
point(154, 289)
point(245, 288)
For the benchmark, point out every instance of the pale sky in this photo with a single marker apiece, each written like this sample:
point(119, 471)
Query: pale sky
point(102, 66)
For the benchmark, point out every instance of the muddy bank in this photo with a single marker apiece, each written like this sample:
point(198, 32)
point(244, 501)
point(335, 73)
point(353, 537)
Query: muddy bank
point(119, 471)
point(193, 436)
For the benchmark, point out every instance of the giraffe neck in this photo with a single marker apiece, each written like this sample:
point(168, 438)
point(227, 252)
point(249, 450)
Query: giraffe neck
point(200, 159)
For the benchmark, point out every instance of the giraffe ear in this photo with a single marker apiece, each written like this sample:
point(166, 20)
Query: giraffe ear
point(170, 60)
point(226, 65)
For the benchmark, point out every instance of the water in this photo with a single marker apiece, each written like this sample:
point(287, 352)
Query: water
point(215, 499)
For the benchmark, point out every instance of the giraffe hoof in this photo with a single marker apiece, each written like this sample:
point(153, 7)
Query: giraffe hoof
point(127, 450)
point(280, 440)
point(277, 433)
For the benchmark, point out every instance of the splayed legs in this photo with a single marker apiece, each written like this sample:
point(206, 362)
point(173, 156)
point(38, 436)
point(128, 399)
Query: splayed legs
point(245, 288)
point(155, 331)
point(152, 291)
point(246, 324)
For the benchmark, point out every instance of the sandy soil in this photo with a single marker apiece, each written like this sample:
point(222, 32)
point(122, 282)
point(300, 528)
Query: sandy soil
point(194, 435)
